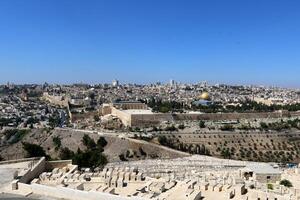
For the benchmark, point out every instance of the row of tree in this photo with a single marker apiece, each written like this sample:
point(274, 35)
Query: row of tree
point(248, 106)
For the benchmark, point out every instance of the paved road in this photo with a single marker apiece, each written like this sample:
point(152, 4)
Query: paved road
point(6, 196)
point(7, 171)
point(13, 197)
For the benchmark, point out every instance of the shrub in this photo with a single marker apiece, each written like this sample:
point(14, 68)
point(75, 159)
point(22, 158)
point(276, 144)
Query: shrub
point(54, 121)
point(202, 124)
point(154, 128)
point(122, 157)
point(89, 158)
point(142, 152)
point(286, 183)
point(96, 118)
point(270, 186)
point(92, 157)
point(66, 154)
point(34, 150)
point(170, 128)
point(181, 126)
point(227, 127)
point(226, 153)
point(57, 142)
point(15, 135)
point(101, 142)
point(88, 142)
point(162, 140)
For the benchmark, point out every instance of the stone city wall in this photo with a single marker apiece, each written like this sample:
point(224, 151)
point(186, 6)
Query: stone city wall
point(56, 100)
point(150, 119)
point(59, 101)
point(156, 118)
point(228, 116)
point(105, 109)
point(130, 106)
point(123, 116)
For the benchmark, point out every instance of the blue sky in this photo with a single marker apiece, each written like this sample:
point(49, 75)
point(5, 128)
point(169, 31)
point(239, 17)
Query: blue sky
point(232, 41)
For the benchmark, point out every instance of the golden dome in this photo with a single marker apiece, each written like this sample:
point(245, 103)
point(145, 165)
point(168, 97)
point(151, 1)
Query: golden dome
point(204, 96)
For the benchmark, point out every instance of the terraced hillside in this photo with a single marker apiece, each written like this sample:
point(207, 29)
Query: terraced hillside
point(267, 146)
point(256, 145)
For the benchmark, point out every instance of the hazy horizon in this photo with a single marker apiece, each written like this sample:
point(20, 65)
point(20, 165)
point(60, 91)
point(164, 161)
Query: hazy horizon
point(148, 83)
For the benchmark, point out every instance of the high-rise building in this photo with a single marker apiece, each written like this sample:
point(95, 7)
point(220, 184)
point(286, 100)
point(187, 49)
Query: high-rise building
point(115, 83)
point(172, 82)
point(203, 84)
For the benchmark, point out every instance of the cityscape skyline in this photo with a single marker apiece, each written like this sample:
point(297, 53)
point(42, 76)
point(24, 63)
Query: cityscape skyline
point(159, 82)
point(149, 100)
point(68, 42)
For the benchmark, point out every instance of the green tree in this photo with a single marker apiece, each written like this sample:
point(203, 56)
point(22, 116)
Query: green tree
point(34, 150)
point(15, 135)
point(286, 183)
point(89, 158)
point(101, 142)
point(181, 126)
point(264, 125)
point(162, 140)
point(54, 121)
point(142, 152)
point(66, 154)
point(170, 128)
point(57, 142)
point(270, 186)
point(227, 127)
point(226, 153)
point(202, 124)
point(122, 157)
point(96, 118)
point(88, 141)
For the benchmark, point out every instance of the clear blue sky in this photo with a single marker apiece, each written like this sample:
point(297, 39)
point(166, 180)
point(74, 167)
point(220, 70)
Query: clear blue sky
point(227, 41)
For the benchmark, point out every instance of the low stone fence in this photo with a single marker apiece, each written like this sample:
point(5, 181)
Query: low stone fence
point(68, 193)
point(18, 161)
point(57, 164)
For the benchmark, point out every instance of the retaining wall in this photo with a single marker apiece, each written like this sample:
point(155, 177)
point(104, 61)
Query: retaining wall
point(34, 172)
point(68, 193)
point(57, 164)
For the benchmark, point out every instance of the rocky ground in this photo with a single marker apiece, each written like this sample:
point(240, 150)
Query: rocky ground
point(130, 149)
point(264, 146)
